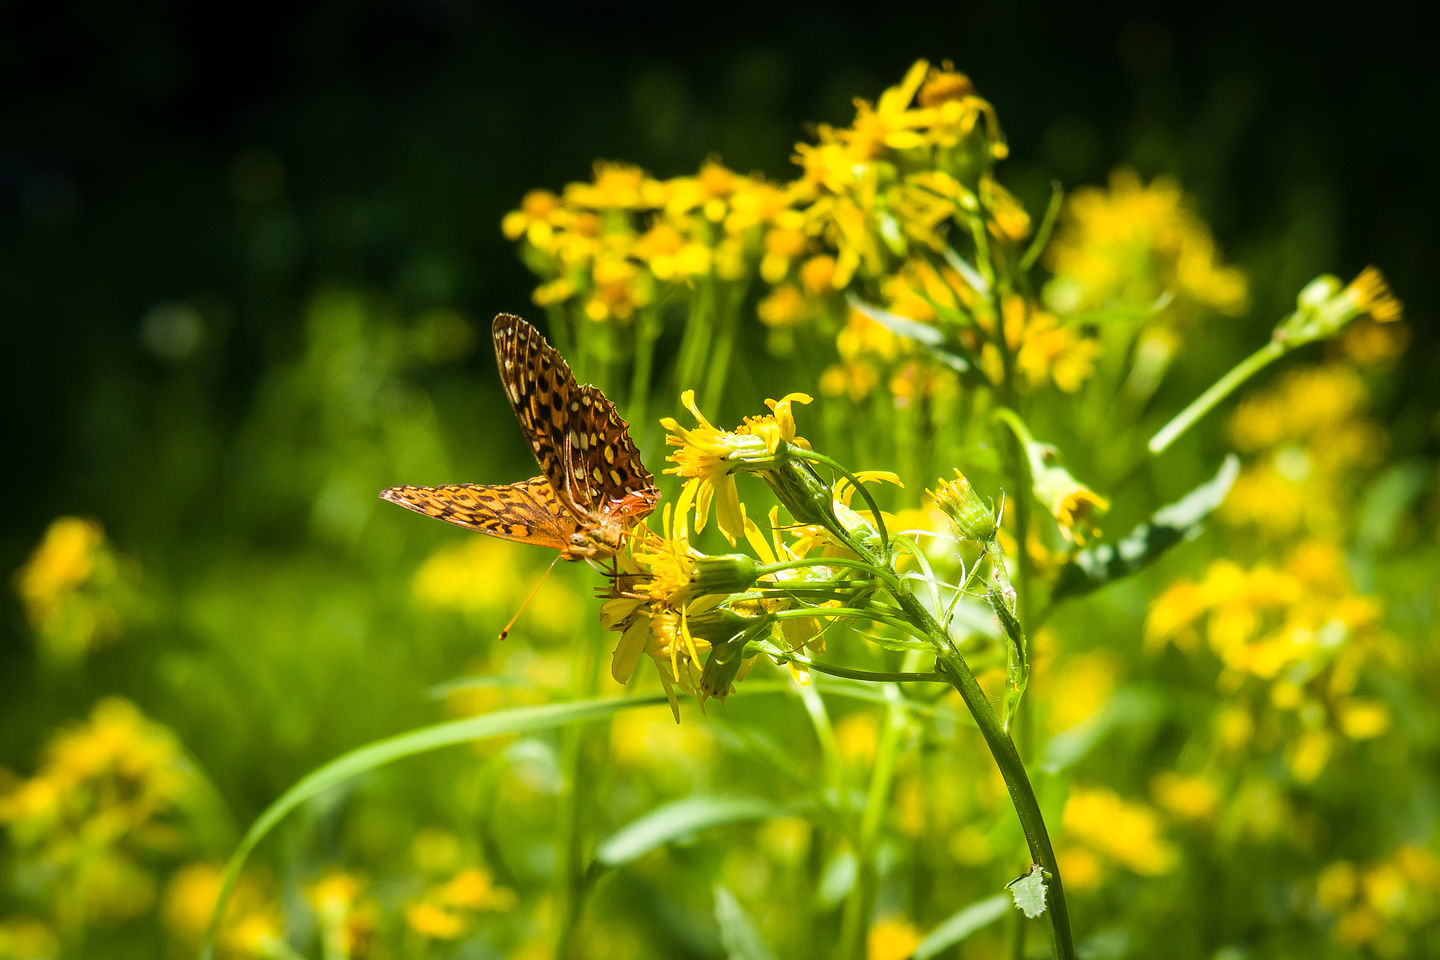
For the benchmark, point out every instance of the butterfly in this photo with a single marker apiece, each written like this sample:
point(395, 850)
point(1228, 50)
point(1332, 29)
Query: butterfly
point(592, 486)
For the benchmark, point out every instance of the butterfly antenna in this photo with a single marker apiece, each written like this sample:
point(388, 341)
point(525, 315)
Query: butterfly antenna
point(534, 590)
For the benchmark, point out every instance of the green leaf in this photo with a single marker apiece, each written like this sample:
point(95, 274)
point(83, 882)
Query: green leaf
point(961, 924)
point(1175, 523)
point(382, 752)
point(675, 821)
point(737, 931)
point(932, 338)
point(1029, 892)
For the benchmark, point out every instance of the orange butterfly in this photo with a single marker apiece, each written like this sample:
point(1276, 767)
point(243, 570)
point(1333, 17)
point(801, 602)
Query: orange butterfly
point(592, 487)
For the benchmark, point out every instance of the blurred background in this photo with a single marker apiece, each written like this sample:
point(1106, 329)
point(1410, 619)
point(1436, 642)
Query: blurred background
point(250, 255)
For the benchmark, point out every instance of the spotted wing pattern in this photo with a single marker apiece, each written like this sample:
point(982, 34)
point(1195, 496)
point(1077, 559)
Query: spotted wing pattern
point(527, 512)
point(579, 440)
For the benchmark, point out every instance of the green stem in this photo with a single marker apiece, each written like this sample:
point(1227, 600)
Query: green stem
point(835, 670)
point(719, 358)
point(1017, 782)
point(647, 330)
point(1216, 392)
point(855, 920)
point(570, 876)
point(820, 458)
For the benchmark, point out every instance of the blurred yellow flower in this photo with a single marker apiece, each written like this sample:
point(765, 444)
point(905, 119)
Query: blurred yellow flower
point(70, 589)
point(1125, 832)
point(1185, 796)
point(891, 938)
point(445, 910)
point(1131, 245)
point(252, 918)
point(103, 803)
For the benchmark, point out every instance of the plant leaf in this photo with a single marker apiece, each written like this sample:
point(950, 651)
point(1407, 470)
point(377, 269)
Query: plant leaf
point(933, 339)
point(382, 752)
point(961, 924)
point(1171, 524)
point(1029, 892)
point(674, 821)
point(737, 931)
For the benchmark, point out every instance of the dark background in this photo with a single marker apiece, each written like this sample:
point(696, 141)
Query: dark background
point(235, 158)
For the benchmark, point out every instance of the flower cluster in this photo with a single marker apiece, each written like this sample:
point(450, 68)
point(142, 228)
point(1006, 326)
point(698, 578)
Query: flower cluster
point(106, 800)
point(1106, 830)
point(1135, 248)
point(1295, 639)
point(879, 221)
point(74, 589)
point(1384, 906)
point(1308, 445)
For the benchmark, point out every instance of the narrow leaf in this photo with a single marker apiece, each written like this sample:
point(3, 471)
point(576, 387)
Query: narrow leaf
point(382, 752)
point(675, 821)
point(737, 931)
point(1175, 523)
point(961, 924)
point(933, 339)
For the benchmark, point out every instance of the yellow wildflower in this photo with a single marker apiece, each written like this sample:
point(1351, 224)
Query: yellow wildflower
point(434, 922)
point(1185, 796)
point(891, 938)
point(534, 220)
point(616, 186)
point(1130, 245)
point(1121, 830)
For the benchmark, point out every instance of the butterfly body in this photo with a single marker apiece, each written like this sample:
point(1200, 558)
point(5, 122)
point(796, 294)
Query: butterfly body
point(592, 487)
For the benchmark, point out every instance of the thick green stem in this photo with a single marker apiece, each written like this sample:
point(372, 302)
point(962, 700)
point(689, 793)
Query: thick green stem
point(1217, 392)
point(1012, 769)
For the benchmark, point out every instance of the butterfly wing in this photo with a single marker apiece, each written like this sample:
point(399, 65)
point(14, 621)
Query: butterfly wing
point(526, 512)
point(579, 439)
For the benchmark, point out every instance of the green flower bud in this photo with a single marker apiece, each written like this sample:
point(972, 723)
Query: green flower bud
point(973, 517)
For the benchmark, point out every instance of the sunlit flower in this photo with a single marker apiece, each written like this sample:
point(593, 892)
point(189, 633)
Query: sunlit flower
point(891, 938)
point(70, 588)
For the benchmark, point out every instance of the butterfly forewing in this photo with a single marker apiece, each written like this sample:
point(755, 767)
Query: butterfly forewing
point(578, 437)
point(593, 485)
point(526, 512)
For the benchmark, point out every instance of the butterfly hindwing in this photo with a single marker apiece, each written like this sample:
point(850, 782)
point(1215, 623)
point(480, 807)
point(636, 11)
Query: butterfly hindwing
point(526, 512)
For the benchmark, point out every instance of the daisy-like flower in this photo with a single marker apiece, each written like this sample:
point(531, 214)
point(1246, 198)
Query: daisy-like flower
point(708, 457)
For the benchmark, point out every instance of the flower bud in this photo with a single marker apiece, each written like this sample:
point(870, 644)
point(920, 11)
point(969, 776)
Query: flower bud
point(973, 517)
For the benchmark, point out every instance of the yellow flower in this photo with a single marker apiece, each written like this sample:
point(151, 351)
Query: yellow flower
point(708, 457)
point(1132, 244)
point(783, 307)
point(1185, 796)
point(890, 123)
point(617, 186)
point(1121, 830)
point(534, 220)
point(434, 922)
point(891, 938)
point(252, 918)
point(474, 889)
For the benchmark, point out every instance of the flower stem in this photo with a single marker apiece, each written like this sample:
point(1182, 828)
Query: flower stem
point(1216, 392)
point(855, 919)
point(570, 877)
